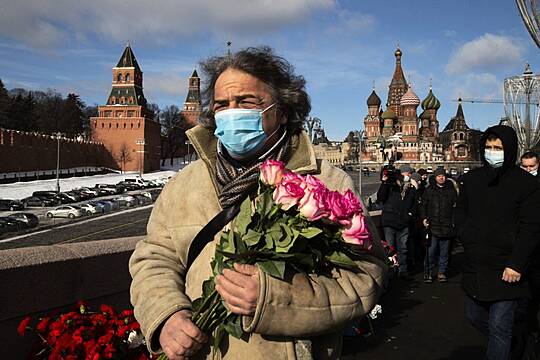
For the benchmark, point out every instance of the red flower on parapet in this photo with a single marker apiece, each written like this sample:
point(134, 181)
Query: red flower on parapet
point(23, 326)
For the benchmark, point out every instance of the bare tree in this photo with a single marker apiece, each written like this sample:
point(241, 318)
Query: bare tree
point(123, 156)
point(173, 129)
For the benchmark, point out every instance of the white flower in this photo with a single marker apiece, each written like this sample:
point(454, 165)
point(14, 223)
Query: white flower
point(375, 312)
point(135, 340)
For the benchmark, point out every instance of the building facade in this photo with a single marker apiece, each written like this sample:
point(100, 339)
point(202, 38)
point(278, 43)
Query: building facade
point(123, 125)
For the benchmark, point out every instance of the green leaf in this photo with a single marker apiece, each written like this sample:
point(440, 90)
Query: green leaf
point(252, 237)
point(264, 203)
point(243, 218)
point(310, 232)
point(208, 287)
point(227, 239)
point(219, 334)
point(273, 268)
point(233, 325)
point(341, 259)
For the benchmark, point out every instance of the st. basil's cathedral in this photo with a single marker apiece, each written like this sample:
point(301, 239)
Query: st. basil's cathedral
point(399, 133)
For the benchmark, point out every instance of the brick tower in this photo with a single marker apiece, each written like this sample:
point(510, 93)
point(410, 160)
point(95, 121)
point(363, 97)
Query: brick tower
point(398, 86)
point(123, 125)
point(192, 106)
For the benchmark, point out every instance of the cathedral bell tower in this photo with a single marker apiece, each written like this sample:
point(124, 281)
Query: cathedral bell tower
point(192, 106)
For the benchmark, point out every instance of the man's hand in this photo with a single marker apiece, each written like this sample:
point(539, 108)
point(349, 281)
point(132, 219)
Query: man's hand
point(425, 222)
point(384, 178)
point(239, 288)
point(510, 275)
point(180, 338)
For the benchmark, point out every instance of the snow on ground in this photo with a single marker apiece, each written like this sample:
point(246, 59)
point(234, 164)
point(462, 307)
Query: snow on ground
point(20, 190)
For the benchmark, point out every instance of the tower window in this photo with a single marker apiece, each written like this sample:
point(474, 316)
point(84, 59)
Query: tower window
point(119, 78)
point(127, 77)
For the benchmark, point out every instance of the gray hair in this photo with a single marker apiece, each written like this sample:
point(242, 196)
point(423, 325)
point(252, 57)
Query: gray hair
point(287, 89)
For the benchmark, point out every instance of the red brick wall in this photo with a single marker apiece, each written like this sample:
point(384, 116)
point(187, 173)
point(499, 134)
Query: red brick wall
point(118, 133)
point(22, 151)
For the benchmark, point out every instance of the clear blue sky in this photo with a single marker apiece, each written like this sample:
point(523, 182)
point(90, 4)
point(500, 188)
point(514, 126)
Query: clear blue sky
point(467, 47)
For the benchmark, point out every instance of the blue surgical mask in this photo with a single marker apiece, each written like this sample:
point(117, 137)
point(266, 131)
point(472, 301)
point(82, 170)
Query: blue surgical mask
point(241, 131)
point(495, 158)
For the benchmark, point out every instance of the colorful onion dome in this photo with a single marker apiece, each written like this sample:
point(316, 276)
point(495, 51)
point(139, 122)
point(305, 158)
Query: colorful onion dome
point(410, 98)
point(389, 114)
point(431, 102)
point(425, 115)
point(373, 99)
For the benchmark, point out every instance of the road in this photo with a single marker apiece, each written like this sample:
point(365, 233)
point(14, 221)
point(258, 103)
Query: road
point(421, 322)
point(120, 224)
point(115, 225)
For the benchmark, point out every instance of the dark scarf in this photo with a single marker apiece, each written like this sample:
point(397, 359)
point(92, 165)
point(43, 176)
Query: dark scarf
point(236, 181)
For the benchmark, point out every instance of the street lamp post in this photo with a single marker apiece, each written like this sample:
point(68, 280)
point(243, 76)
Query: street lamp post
point(141, 144)
point(360, 141)
point(188, 154)
point(57, 135)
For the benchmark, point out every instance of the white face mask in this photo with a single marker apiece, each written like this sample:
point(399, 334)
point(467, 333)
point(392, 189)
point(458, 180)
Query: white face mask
point(406, 178)
point(534, 172)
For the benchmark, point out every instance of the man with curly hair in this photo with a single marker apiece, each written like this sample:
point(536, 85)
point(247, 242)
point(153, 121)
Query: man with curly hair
point(254, 109)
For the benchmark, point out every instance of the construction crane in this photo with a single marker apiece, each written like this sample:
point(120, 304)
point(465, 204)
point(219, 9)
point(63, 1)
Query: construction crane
point(472, 101)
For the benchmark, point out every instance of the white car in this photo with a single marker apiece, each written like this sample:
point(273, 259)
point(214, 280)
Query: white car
point(68, 211)
point(90, 209)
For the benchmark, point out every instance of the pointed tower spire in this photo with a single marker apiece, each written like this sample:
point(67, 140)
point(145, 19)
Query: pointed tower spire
point(398, 86)
point(459, 113)
point(127, 81)
point(192, 106)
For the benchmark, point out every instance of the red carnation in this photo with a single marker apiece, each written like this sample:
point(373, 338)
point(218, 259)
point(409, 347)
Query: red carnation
point(21, 329)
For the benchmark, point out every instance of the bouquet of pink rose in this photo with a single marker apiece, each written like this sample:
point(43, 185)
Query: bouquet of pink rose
point(295, 223)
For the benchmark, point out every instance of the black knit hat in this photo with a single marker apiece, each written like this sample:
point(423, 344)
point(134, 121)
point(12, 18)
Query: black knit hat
point(439, 171)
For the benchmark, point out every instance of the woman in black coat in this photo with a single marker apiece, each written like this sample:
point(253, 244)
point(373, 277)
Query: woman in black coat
point(497, 214)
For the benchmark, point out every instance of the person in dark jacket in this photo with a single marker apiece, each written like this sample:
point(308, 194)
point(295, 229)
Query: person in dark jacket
point(437, 214)
point(398, 195)
point(527, 325)
point(497, 217)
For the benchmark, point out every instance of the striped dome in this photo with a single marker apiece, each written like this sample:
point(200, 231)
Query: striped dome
point(431, 102)
point(389, 114)
point(410, 98)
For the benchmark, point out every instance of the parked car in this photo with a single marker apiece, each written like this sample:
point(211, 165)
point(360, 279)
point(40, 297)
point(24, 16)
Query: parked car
point(29, 219)
point(126, 200)
point(68, 211)
point(34, 201)
point(143, 199)
point(91, 192)
point(129, 186)
point(9, 225)
point(12, 205)
point(139, 181)
point(90, 209)
point(83, 195)
point(66, 198)
point(112, 189)
point(52, 195)
point(154, 193)
point(105, 206)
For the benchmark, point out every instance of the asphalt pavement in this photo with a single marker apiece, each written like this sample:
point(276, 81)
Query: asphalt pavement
point(420, 322)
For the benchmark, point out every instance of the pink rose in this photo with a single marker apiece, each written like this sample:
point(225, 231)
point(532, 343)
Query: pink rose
point(340, 208)
point(289, 191)
point(358, 233)
point(272, 171)
point(313, 204)
point(353, 201)
point(312, 182)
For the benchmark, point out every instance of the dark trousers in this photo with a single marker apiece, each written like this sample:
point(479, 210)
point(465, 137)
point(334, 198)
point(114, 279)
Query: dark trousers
point(398, 239)
point(438, 251)
point(495, 319)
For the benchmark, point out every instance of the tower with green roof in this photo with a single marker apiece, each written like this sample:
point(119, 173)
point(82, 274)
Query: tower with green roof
point(123, 124)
